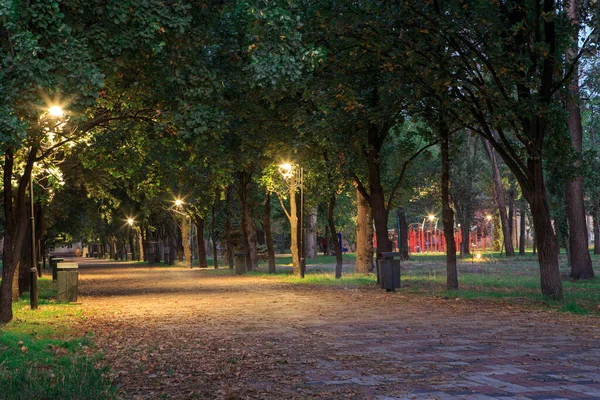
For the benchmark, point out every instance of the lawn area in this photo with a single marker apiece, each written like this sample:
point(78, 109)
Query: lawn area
point(493, 278)
point(44, 356)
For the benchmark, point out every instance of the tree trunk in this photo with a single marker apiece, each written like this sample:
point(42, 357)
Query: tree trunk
point(500, 203)
point(581, 262)
point(511, 216)
point(547, 244)
point(596, 225)
point(251, 237)
point(268, 235)
point(229, 250)
point(447, 212)
point(376, 196)
point(293, 218)
point(465, 244)
point(202, 261)
point(185, 240)
point(311, 233)
point(131, 243)
point(213, 235)
point(25, 264)
point(403, 235)
point(380, 217)
point(15, 230)
point(336, 248)
point(522, 233)
point(248, 229)
point(364, 236)
point(142, 244)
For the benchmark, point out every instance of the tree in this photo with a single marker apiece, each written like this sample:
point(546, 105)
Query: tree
point(511, 55)
point(581, 262)
point(505, 222)
point(40, 54)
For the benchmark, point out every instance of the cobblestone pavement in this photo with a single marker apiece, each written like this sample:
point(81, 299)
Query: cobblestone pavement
point(286, 341)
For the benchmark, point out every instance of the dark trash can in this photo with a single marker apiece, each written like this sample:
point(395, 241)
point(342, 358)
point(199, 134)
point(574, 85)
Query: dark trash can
point(239, 262)
point(388, 270)
point(53, 262)
point(68, 276)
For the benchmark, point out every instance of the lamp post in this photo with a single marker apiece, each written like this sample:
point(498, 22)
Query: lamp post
point(33, 289)
point(131, 223)
point(185, 238)
point(491, 223)
point(295, 178)
point(431, 218)
point(56, 112)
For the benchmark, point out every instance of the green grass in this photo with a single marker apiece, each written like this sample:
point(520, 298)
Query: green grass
point(513, 280)
point(317, 277)
point(493, 278)
point(43, 357)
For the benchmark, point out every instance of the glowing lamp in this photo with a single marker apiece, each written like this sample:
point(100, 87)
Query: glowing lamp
point(286, 170)
point(56, 111)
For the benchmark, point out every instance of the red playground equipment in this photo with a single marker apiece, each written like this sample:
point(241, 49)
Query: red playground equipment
point(429, 238)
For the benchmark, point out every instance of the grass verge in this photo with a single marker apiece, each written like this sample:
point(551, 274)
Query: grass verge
point(497, 279)
point(42, 356)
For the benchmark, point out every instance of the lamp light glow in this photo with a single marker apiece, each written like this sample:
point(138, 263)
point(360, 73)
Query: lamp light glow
point(286, 170)
point(178, 202)
point(56, 111)
point(488, 217)
point(431, 217)
point(130, 221)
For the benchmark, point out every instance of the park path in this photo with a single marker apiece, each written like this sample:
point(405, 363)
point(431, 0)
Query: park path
point(189, 334)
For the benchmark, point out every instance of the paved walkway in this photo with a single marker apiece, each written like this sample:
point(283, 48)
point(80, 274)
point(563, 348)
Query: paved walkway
point(187, 334)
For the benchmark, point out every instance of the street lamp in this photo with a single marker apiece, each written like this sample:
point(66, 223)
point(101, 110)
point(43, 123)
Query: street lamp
point(131, 223)
point(55, 111)
point(491, 222)
point(295, 177)
point(185, 239)
point(431, 218)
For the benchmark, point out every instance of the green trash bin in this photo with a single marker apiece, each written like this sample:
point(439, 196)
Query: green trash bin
point(68, 276)
point(239, 262)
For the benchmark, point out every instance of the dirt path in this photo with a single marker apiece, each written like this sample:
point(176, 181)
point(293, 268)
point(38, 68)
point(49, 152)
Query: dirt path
point(181, 334)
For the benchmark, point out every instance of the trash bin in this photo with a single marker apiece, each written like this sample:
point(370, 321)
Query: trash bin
point(239, 262)
point(388, 270)
point(68, 275)
point(53, 262)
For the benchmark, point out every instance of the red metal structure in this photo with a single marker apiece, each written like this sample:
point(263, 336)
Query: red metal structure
point(429, 238)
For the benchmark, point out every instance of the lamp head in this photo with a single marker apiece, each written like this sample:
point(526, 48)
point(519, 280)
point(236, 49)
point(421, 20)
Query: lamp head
point(431, 217)
point(130, 221)
point(286, 170)
point(56, 111)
